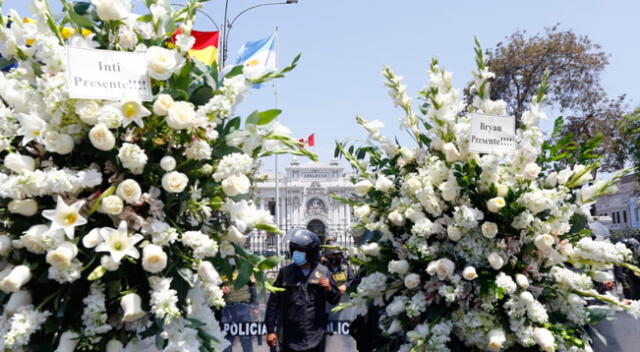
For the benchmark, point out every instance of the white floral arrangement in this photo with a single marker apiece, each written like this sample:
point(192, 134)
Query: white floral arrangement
point(479, 252)
point(117, 216)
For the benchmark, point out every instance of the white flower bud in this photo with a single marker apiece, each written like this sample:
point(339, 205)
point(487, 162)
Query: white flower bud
point(58, 143)
point(399, 267)
point(489, 229)
point(168, 163)
point(469, 273)
point(602, 276)
point(495, 260)
point(551, 180)
point(544, 242)
point(19, 275)
point(17, 300)
point(101, 137)
point(108, 263)
point(495, 204)
point(396, 326)
point(25, 207)
point(522, 280)
point(208, 273)
point(112, 205)
point(174, 182)
point(114, 346)
point(454, 233)
point(444, 268)
point(131, 304)
point(497, 339)
point(544, 338)
point(502, 190)
point(5, 245)
point(235, 236)
point(19, 163)
point(62, 256)
point(363, 187)
point(68, 341)
point(396, 218)
point(527, 297)
point(450, 152)
point(362, 212)
point(162, 105)
point(129, 190)
point(383, 184)
point(371, 249)
point(412, 280)
point(154, 259)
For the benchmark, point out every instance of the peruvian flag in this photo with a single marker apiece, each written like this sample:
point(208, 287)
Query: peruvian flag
point(311, 140)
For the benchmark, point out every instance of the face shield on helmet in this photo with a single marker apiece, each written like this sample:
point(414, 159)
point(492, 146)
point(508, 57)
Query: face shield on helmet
point(303, 240)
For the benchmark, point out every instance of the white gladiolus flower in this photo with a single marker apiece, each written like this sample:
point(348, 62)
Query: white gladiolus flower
point(25, 207)
point(489, 229)
point(235, 236)
point(451, 153)
point(497, 339)
point(68, 341)
point(112, 10)
point(208, 273)
point(522, 281)
point(112, 205)
point(454, 233)
point(235, 185)
point(19, 163)
point(412, 280)
point(114, 346)
point(5, 245)
point(58, 143)
point(363, 187)
point(602, 276)
point(17, 300)
point(168, 163)
point(399, 267)
point(371, 249)
point(551, 180)
point(383, 184)
point(65, 217)
point(101, 137)
point(531, 171)
point(118, 242)
point(362, 212)
point(495, 260)
point(544, 242)
point(154, 259)
point(396, 218)
point(181, 115)
point(162, 104)
point(18, 277)
point(469, 273)
point(131, 304)
point(162, 63)
point(132, 110)
point(62, 256)
point(544, 338)
point(174, 182)
point(129, 190)
point(495, 204)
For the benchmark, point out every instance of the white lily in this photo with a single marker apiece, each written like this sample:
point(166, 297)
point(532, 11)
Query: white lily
point(32, 128)
point(118, 242)
point(65, 217)
point(133, 111)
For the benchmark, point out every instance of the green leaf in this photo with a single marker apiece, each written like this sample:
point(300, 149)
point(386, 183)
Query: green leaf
point(253, 118)
point(81, 21)
point(235, 71)
point(244, 273)
point(269, 262)
point(81, 7)
point(201, 95)
point(266, 117)
point(187, 275)
point(146, 18)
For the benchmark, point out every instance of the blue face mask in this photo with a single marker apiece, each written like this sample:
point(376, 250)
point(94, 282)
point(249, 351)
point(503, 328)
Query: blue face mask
point(299, 258)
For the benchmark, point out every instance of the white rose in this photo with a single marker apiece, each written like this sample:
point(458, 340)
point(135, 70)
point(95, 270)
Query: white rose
point(162, 63)
point(363, 187)
point(362, 212)
point(62, 256)
point(19, 163)
point(399, 267)
point(132, 157)
point(112, 10)
point(154, 259)
point(450, 190)
point(18, 276)
point(235, 185)
point(544, 338)
point(114, 346)
point(88, 111)
point(489, 229)
point(413, 184)
point(68, 341)
point(531, 171)
point(25, 207)
point(129, 190)
point(5, 245)
point(162, 104)
point(497, 339)
point(502, 190)
point(602, 276)
point(174, 182)
point(383, 184)
point(454, 233)
point(112, 205)
point(131, 304)
point(495, 204)
point(396, 218)
point(522, 280)
point(168, 163)
point(444, 268)
point(527, 297)
point(181, 115)
point(17, 300)
point(495, 260)
point(544, 242)
point(58, 143)
point(371, 249)
point(101, 137)
point(412, 280)
point(450, 152)
point(235, 236)
point(469, 273)
point(208, 273)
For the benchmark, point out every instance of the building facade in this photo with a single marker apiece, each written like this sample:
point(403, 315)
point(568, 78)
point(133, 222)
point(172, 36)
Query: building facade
point(622, 207)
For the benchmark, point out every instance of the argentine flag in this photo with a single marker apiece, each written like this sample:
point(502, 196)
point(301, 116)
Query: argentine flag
point(258, 57)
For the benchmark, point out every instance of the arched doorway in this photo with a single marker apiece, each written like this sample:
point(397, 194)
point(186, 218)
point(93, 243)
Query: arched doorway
point(318, 227)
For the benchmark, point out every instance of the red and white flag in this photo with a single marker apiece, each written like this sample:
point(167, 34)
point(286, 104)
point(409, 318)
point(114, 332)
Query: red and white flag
point(311, 140)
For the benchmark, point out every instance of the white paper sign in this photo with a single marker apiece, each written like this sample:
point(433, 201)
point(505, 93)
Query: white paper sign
point(107, 74)
point(492, 133)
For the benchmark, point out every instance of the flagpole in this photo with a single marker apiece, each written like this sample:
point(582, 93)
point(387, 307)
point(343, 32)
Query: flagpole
point(277, 97)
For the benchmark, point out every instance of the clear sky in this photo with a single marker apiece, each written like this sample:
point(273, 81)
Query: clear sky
point(345, 43)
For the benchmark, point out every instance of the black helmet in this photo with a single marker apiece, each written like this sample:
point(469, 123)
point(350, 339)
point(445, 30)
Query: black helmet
point(332, 247)
point(304, 240)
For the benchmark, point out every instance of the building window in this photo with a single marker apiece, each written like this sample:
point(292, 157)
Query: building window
point(624, 216)
point(272, 207)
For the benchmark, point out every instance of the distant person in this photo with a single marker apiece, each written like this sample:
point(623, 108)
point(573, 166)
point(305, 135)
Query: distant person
point(240, 307)
point(299, 313)
point(341, 272)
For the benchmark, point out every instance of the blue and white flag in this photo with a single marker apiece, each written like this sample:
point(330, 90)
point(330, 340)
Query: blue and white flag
point(258, 57)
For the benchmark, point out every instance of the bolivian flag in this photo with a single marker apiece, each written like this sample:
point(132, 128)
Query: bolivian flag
point(205, 48)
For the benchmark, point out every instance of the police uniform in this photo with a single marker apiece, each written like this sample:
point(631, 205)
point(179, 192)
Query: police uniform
point(238, 306)
point(300, 310)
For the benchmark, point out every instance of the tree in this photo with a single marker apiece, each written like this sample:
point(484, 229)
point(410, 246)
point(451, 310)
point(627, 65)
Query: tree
point(574, 64)
point(630, 127)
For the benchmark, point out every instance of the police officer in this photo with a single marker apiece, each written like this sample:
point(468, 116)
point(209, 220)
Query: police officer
point(340, 271)
point(300, 310)
point(240, 307)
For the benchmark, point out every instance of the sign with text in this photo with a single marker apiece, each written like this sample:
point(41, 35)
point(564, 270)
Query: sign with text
point(258, 328)
point(492, 133)
point(107, 74)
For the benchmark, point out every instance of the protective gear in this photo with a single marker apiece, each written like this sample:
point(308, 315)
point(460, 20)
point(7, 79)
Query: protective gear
point(299, 258)
point(332, 248)
point(333, 261)
point(306, 241)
